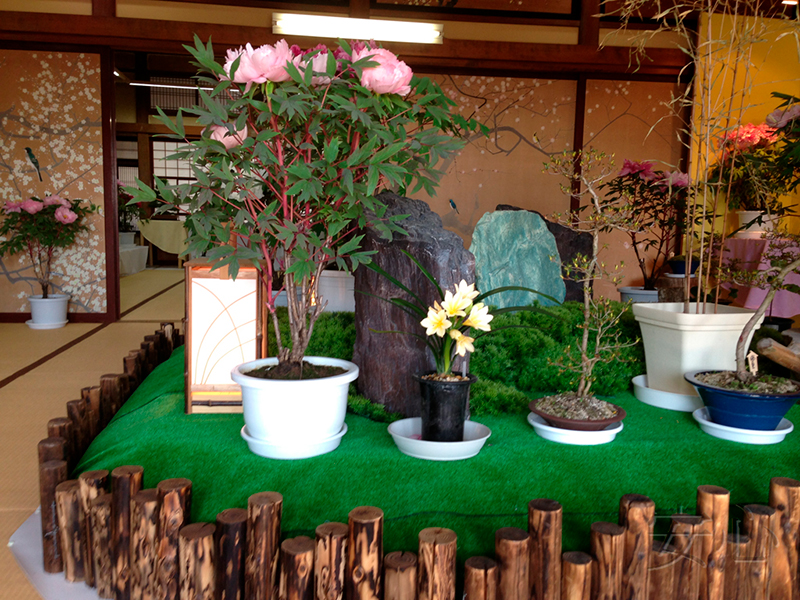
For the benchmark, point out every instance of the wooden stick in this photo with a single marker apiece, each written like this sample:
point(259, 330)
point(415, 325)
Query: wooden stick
point(330, 561)
point(297, 569)
point(197, 558)
point(77, 413)
point(111, 394)
point(637, 516)
point(480, 578)
point(51, 448)
point(91, 485)
point(686, 536)
point(51, 474)
point(231, 545)
point(576, 576)
point(169, 333)
point(663, 563)
point(713, 504)
point(513, 549)
point(736, 566)
point(607, 550)
point(761, 525)
point(400, 576)
point(93, 401)
point(144, 544)
point(778, 353)
point(263, 545)
point(174, 502)
point(784, 497)
point(151, 356)
point(126, 481)
point(544, 527)
point(436, 570)
point(133, 369)
point(364, 554)
point(102, 564)
point(62, 427)
point(70, 532)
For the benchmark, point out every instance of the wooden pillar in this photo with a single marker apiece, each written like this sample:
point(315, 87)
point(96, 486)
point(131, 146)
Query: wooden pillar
point(133, 369)
point(231, 545)
point(606, 542)
point(91, 485)
point(663, 563)
point(480, 578)
point(102, 562)
point(512, 547)
point(736, 566)
point(297, 569)
point(144, 544)
point(364, 554)
point(51, 474)
point(111, 397)
point(330, 561)
point(61, 427)
point(174, 511)
point(70, 533)
point(92, 397)
point(51, 448)
point(263, 545)
point(197, 558)
point(713, 504)
point(399, 576)
point(544, 527)
point(77, 413)
point(760, 523)
point(436, 569)
point(126, 481)
point(576, 576)
point(637, 516)
point(784, 497)
point(686, 536)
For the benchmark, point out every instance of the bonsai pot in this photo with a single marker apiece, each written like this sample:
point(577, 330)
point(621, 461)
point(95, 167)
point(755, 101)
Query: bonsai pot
point(294, 419)
point(742, 409)
point(637, 294)
point(678, 265)
point(676, 342)
point(576, 424)
point(48, 313)
point(444, 408)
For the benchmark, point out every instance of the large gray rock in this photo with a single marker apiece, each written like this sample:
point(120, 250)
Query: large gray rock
point(570, 244)
point(515, 248)
point(388, 360)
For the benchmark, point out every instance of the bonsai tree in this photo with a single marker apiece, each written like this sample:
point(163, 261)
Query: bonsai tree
point(600, 339)
point(296, 145)
point(651, 204)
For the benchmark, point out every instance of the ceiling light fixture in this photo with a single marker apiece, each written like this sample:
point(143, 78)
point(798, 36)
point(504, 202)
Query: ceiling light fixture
point(357, 29)
point(790, 2)
point(170, 86)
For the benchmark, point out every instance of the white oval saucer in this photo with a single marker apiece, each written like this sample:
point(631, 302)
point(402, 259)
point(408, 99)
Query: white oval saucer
point(743, 436)
point(406, 434)
point(572, 436)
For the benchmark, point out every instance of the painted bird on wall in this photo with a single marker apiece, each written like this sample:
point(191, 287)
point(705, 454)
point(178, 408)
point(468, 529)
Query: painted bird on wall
point(34, 162)
point(453, 206)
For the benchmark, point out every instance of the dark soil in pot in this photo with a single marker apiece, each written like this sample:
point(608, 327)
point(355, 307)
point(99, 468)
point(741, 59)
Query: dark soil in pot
point(295, 371)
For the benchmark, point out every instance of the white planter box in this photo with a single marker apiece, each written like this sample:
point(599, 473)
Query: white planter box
point(676, 342)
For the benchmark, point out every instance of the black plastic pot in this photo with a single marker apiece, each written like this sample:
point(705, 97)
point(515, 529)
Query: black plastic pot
point(444, 408)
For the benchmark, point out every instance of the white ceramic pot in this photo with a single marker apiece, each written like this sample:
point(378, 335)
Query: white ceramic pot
point(48, 313)
point(637, 294)
point(292, 416)
point(127, 238)
point(676, 342)
point(755, 230)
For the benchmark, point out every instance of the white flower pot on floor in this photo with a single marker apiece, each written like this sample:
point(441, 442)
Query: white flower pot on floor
point(48, 313)
point(294, 419)
point(676, 342)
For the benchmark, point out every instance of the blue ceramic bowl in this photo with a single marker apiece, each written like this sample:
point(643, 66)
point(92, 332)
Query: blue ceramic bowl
point(743, 410)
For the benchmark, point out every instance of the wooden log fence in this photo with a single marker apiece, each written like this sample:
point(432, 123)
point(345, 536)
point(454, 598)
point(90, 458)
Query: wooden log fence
point(242, 555)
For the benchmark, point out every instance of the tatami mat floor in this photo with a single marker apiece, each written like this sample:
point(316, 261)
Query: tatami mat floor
point(29, 399)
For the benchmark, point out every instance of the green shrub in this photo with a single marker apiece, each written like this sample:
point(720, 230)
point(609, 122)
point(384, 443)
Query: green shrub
point(493, 398)
point(334, 335)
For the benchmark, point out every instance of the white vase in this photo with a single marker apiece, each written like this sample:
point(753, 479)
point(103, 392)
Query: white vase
point(48, 313)
point(127, 238)
point(294, 419)
point(755, 230)
point(637, 294)
point(676, 342)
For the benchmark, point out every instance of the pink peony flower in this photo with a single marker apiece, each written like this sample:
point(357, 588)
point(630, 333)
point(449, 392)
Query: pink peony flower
point(643, 169)
point(13, 206)
point(391, 76)
point(32, 206)
point(783, 116)
point(221, 134)
point(319, 65)
point(65, 215)
point(269, 62)
point(676, 179)
point(56, 199)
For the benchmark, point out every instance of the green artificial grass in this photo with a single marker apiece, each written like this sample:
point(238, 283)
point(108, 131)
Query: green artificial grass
point(661, 454)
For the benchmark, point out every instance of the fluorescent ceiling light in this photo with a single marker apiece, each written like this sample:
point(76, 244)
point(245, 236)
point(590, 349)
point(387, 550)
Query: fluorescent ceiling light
point(790, 2)
point(356, 29)
point(172, 86)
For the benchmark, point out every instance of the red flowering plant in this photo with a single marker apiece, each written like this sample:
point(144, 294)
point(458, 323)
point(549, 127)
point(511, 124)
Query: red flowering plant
point(39, 228)
point(129, 212)
point(651, 205)
point(297, 144)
